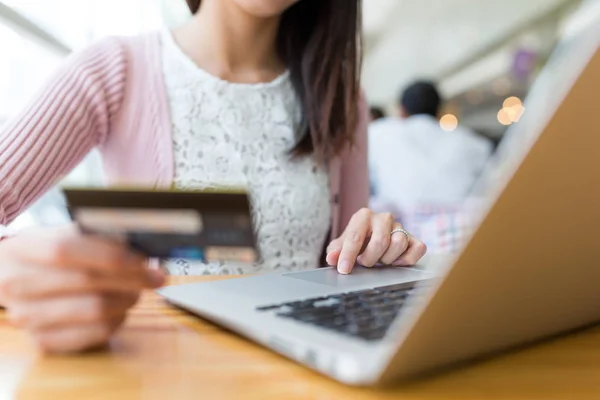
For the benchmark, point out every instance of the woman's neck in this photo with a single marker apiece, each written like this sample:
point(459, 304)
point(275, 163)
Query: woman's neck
point(231, 44)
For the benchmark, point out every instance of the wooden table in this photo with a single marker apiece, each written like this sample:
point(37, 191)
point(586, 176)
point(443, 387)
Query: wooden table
point(166, 354)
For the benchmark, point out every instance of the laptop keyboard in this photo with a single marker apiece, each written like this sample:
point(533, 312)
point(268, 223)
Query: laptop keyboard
point(365, 314)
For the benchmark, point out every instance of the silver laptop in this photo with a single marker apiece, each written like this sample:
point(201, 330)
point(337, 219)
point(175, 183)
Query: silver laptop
point(530, 270)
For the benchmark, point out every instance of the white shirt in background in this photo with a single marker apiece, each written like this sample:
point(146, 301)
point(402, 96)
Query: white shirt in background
point(413, 162)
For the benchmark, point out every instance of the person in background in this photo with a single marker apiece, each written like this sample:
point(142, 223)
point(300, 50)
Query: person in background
point(376, 113)
point(414, 163)
point(258, 94)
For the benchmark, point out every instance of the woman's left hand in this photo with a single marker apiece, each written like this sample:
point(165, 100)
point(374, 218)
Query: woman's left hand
point(372, 238)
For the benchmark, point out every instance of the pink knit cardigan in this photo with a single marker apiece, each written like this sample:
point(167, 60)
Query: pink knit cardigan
point(112, 97)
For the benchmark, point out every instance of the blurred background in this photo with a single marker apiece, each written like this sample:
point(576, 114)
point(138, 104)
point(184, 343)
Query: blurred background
point(481, 52)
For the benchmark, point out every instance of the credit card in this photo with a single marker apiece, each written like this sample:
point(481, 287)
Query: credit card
point(195, 225)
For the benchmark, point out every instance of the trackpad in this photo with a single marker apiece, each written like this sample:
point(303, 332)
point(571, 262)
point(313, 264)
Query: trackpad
point(369, 277)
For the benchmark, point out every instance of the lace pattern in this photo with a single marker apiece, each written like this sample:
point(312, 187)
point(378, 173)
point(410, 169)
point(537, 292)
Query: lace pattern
point(239, 135)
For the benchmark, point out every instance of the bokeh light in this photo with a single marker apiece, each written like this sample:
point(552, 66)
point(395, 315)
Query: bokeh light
point(512, 111)
point(449, 122)
point(504, 118)
point(512, 102)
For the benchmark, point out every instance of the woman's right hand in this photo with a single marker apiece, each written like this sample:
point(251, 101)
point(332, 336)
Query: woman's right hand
point(70, 291)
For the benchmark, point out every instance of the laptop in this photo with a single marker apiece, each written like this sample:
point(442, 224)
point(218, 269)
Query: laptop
point(529, 271)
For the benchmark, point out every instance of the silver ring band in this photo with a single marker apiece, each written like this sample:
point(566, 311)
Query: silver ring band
point(400, 230)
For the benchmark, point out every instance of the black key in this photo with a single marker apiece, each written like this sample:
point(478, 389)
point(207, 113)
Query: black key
point(349, 296)
point(330, 315)
point(326, 303)
point(399, 286)
point(300, 306)
point(308, 318)
point(269, 308)
point(357, 293)
point(376, 334)
point(337, 322)
point(386, 301)
point(318, 299)
point(316, 317)
point(355, 305)
point(371, 303)
point(366, 314)
point(388, 306)
point(396, 294)
point(370, 296)
point(332, 327)
point(303, 303)
point(290, 312)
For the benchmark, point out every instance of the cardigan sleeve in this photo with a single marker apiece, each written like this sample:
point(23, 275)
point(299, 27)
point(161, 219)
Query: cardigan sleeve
point(354, 178)
point(67, 119)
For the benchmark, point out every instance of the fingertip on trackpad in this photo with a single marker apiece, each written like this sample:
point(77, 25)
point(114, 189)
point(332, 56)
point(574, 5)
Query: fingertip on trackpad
point(360, 276)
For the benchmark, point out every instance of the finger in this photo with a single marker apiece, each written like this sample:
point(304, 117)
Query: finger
point(70, 311)
point(416, 250)
point(67, 248)
point(354, 237)
point(381, 225)
point(66, 282)
point(335, 244)
point(72, 339)
point(10, 273)
point(333, 256)
point(333, 251)
point(398, 245)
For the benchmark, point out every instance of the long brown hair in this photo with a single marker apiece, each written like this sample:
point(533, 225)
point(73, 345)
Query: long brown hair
point(320, 42)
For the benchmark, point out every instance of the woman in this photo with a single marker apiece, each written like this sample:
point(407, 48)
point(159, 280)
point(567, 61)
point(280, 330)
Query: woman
point(258, 93)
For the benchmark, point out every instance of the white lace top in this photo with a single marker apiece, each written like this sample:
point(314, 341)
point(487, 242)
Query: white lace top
point(239, 135)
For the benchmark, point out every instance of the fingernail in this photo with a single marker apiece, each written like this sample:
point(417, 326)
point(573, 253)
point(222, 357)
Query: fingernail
point(344, 267)
point(157, 278)
point(400, 263)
